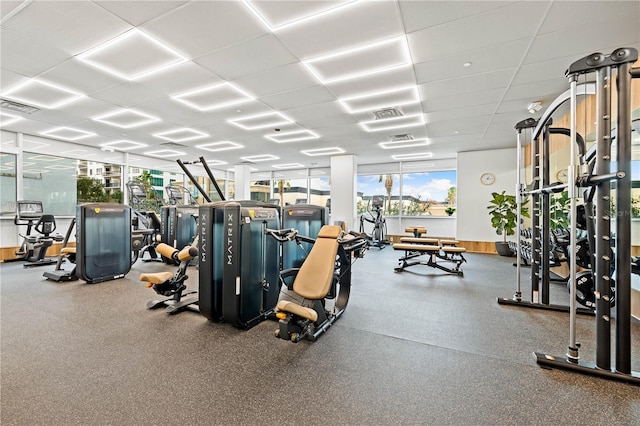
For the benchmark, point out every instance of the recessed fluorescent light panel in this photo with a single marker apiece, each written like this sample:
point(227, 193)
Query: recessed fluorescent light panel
point(378, 100)
point(392, 123)
point(164, 153)
point(258, 158)
point(67, 133)
point(132, 55)
point(301, 135)
point(261, 121)
point(126, 119)
point(213, 97)
point(42, 94)
point(181, 135)
point(216, 162)
point(6, 119)
point(124, 145)
point(358, 62)
point(414, 156)
point(323, 151)
point(287, 166)
point(219, 146)
point(404, 144)
point(272, 16)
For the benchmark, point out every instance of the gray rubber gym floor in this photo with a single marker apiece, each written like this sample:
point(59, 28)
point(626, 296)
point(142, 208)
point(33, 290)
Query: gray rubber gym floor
point(418, 347)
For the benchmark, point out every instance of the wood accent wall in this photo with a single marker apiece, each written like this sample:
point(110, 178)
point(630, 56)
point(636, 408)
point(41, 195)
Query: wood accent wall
point(9, 253)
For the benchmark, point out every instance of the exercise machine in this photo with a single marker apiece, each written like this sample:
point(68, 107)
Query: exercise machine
point(67, 253)
point(378, 236)
point(143, 198)
point(238, 263)
point(103, 241)
point(171, 285)
point(321, 286)
point(307, 220)
point(615, 66)
point(34, 247)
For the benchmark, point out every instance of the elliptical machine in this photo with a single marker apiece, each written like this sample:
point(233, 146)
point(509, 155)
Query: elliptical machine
point(378, 235)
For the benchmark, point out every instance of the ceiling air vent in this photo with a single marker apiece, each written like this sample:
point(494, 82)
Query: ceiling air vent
point(387, 113)
point(173, 145)
point(17, 106)
point(401, 138)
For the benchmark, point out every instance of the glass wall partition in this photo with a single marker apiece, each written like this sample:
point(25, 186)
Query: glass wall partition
point(52, 180)
point(7, 185)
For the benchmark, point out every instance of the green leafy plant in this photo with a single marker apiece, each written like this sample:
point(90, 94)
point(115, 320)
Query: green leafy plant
point(450, 210)
point(502, 209)
point(559, 205)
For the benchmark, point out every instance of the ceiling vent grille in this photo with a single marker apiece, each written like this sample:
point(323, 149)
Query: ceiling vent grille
point(401, 138)
point(173, 145)
point(383, 114)
point(17, 106)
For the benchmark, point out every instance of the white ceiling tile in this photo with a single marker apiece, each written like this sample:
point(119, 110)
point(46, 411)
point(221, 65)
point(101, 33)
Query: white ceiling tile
point(539, 90)
point(324, 109)
point(8, 79)
point(79, 76)
point(139, 12)
point(204, 26)
point(71, 27)
point(181, 78)
point(127, 95)
point(480, 97)
point(618, 32)
point(541, 71)
point(424, 14)
point(364, 22)
point(455, 127)
point(461, 113)
point(327, 122)
point(565, 14)
point(492, 58)
point(26, 56)
point(283, 13)
point(486, 29)
point(277, 80)
point(400, 77)
point(9, 6)
point(249, 57)
point(471, 83)
point(298, 98)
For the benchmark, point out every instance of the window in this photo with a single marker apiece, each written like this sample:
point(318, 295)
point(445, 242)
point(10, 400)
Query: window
point(373, 187)
point(105, 185)
point(428, 193)
point(319, 191)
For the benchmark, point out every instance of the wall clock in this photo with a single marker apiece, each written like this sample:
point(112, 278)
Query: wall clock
point(562, 176)
point(487, 178)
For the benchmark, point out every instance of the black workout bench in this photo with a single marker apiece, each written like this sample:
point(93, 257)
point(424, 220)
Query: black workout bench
point(443, 250)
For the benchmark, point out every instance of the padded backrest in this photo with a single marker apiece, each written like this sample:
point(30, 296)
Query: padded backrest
point(314, 278)
point(46, 224)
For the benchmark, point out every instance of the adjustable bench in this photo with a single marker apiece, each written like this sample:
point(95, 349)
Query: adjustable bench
point(416, 230)
point(434, 252)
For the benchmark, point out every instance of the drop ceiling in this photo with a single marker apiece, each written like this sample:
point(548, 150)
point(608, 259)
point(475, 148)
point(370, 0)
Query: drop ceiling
point(287, 84)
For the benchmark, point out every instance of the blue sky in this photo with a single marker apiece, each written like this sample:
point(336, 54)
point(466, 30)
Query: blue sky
point(427, 185)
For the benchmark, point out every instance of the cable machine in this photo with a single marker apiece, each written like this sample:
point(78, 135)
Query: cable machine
point(539, 192)
point(606, 67)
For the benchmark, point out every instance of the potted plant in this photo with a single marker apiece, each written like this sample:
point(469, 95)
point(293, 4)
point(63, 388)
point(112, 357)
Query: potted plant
point(502, 209)
point(449, 210)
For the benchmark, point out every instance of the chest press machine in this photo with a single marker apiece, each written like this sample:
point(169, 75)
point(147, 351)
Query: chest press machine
point(436, 250)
